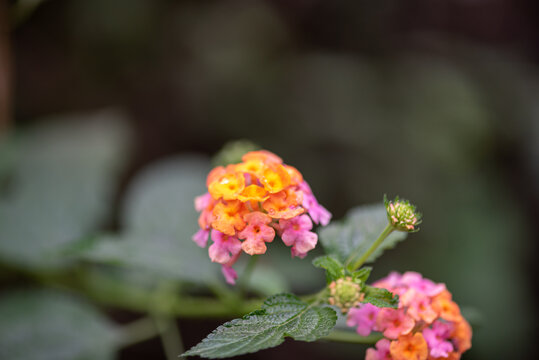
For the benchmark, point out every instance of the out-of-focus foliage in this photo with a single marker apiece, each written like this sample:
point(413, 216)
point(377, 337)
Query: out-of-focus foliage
point(40, 324)
point(60, 186)
point(352, 93)
point(158, 223)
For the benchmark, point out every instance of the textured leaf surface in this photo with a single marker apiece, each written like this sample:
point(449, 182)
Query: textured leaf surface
point(380, 297)
point(49, 326)
point(359, 229)
point(280, 316)
point(334, 268)
point(62, 175)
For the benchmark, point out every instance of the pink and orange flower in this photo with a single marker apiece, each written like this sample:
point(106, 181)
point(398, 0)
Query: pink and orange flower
point(247, 204)
point(426, 325)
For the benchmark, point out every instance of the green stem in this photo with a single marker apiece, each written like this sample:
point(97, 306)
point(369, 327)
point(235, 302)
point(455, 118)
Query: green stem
point(356, 264)
point(245, 277)
point(170, 336)
point(351, 337)
point(137, 331)
point(105, 290)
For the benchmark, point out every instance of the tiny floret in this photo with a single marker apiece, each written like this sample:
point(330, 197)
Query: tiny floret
point(402, 215)
point(250, 202)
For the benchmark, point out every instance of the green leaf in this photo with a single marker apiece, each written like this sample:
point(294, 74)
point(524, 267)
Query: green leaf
point(380, 297)
point(62, 177)
point(160, 200)
point(359, 229)
point(362, 274)
point(280, 316)
point(45, 325)
point(160, 219)
point(334, 268)
point(266, 280)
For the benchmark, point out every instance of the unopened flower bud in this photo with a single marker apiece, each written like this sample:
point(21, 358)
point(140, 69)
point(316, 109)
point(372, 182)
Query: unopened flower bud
point(402, 215)
point(345, 294)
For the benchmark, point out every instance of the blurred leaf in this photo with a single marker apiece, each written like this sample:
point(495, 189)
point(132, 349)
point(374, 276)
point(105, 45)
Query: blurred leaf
point(281, 316)
point(159, 220)
point(163, 256)
point(267, 280)
point(160, 199)
point(61, 185)
point(380, 297)
point(334, 268)
point(46, 325)
point(359, 230)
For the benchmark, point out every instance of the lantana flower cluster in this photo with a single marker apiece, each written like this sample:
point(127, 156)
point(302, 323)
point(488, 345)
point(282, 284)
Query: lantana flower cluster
point(248, 203)
point(426, 325)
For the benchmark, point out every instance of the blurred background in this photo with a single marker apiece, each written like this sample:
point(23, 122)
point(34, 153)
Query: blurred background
point(433, 100)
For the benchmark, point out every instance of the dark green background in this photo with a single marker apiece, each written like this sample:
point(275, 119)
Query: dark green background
point(435, 101)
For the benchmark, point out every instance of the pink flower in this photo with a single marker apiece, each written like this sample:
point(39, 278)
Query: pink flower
point(295, 232)
point(202, 202)
point(201, 237)
point(256, 233)
point(230, 274)
point(318, 213)
point(389, 282)
point(419, 306)
point(224, 247)
point(364, 318)
point(437, 337)
point(416, 281)
point(381, 352)
point(394, 322)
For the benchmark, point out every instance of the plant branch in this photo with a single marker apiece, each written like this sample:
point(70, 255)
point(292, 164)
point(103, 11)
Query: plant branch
point(170, 336)
point(351, 337)
point(246, 276)
point(354, 265)
point(137, 331)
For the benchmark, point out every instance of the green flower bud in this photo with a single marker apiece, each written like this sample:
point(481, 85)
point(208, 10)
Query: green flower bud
point(232, 152)
point(344, 293)
point(402, 215)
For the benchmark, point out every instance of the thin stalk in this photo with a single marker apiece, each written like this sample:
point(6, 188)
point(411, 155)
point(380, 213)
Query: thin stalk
point(351, 337)
point(246, 276)
point(170, 336)
point(137, 331)
point(353, 265)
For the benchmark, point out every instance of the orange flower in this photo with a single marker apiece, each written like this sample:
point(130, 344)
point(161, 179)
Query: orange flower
point(229, 217)
point(275, 178)
point(244, 199)
point(227, 186)
point(447, 309)
point(284, 205)
point(409, 347)
point(295, 176)
point(254, 166)
point(462, 335)
point(253, 193)
point(215, 174)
